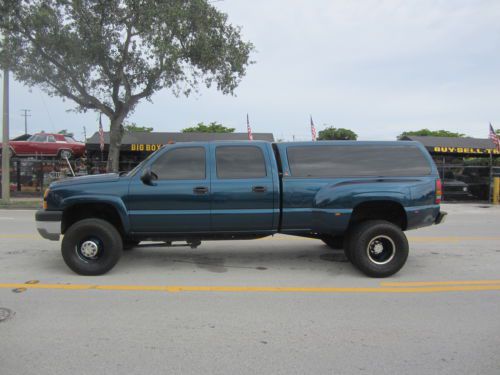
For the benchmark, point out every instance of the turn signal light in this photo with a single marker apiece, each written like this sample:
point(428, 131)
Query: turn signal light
point(439, 191)
point(45, 198)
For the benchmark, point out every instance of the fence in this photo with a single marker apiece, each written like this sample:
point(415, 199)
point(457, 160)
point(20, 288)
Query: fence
point(30, 176)
point(467, 179)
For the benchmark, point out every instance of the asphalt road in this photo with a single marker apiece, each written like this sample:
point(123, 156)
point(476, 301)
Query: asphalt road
point(281, 305)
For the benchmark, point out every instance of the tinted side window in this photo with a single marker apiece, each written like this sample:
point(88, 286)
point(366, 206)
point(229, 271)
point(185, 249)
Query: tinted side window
point(40, 138)
point(357, 161)
point(186, 163)
point(240, 162)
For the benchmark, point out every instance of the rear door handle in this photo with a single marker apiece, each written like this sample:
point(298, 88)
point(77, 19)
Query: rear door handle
point(200, 190)
point(259, 189)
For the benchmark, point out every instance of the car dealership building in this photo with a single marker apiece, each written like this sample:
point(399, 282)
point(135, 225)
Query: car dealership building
point(136, 146)
point(466, 165)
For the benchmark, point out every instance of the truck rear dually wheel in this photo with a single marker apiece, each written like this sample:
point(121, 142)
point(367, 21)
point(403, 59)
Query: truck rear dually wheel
point(378, 248)
point(91, 247)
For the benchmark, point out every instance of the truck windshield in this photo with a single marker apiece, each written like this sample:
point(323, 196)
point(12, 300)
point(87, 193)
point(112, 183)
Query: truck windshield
point(139, 166)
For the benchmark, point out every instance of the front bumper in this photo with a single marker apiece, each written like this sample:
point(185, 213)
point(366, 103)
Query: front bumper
point(440, 217)
point(48, 224)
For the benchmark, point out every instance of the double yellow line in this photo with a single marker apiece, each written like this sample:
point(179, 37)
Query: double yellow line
point(385, 287)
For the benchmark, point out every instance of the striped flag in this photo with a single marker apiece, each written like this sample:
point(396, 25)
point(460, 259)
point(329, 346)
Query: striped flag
point(249, 130)
point(101, 134)
point(313, 130)
point(494, 137)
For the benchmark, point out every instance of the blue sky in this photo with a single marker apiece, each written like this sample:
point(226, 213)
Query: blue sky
point(376, 67)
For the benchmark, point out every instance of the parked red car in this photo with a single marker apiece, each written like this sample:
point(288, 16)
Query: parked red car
point(46, 144)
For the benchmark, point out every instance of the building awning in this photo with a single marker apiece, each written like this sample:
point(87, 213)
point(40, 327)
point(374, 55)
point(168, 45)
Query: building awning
point(151, 141)
point(457, 146)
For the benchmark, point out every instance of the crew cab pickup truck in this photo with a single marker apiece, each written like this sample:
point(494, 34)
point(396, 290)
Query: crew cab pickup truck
point(359, 196)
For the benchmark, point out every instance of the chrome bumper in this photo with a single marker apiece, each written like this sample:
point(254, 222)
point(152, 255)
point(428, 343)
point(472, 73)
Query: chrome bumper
point(48, 224)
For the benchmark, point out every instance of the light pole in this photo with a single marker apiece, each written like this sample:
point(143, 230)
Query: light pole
point(25, 115)
point(5, 140)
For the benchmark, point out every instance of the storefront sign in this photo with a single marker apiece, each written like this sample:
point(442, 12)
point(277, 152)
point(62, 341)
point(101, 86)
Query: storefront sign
point(465, 150)
point(145, 147)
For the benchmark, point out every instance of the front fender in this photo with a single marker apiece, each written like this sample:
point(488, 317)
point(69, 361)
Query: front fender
point(114, 201)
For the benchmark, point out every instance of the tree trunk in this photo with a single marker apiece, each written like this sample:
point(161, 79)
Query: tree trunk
point(115, 142)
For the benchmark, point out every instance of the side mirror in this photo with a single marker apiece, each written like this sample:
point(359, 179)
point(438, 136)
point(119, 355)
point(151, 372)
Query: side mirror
point(148, 176)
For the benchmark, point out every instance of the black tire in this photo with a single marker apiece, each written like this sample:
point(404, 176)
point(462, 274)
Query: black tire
point(130, 244)
point(91, 233)
point(378, 248)
point(334, 242)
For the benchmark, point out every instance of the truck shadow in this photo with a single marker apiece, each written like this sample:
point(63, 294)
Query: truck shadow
point(217, 258)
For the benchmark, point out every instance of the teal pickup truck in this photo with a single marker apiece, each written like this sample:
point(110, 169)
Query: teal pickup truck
point(359, 196)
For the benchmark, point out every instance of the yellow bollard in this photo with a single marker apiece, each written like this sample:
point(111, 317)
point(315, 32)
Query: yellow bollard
point(496, 190)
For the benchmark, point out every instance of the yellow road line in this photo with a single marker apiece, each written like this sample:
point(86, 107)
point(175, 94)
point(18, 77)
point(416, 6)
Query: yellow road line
point(438, 283)
point(243, 289)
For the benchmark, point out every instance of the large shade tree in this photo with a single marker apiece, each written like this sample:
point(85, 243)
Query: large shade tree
point(108, 55)
point(429, 133)
point(212, 127)
point(331, 133)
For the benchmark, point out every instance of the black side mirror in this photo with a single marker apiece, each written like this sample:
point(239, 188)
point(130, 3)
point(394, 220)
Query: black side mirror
point(148, 176)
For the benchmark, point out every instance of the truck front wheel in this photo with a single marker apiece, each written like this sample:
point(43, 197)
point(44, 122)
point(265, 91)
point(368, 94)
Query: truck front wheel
point(91, 247)
point(378, 248)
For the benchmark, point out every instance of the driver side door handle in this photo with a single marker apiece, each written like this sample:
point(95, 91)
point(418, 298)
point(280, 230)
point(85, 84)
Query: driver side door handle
point(200, 190)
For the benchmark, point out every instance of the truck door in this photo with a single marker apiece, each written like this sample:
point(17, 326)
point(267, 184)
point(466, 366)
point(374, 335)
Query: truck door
point(179, 200)
point(243, 190)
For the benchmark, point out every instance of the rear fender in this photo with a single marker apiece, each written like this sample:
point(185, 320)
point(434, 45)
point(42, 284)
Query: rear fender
point(334, 203)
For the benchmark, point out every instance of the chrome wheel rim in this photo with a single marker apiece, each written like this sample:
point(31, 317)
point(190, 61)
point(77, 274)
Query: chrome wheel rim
point(381, 250)
point(89, 249)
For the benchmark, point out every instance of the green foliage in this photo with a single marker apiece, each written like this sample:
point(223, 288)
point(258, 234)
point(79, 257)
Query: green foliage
point(109, 55)
point(65, 132)
point(332, 133)
point(133, 127)
point(433, 133)
point(212, 127)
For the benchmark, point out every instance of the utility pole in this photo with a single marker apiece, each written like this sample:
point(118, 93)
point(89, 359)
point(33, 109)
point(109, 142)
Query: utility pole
point(5, 140)
point(85, 134)
point(26, 115)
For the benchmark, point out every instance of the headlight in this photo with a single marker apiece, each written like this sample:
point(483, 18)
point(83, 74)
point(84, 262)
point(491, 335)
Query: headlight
point(465, 189)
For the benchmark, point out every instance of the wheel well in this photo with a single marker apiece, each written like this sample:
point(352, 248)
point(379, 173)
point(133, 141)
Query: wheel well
point(380, 210)
point(102, 211)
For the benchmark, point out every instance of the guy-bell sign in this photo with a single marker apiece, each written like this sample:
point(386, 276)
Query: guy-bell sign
point(465, 150)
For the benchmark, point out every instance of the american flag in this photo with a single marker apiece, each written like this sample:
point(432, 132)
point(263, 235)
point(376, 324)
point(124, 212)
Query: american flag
point(494, 137)
point(249, 129)
point(101, 134)
point(313, 130)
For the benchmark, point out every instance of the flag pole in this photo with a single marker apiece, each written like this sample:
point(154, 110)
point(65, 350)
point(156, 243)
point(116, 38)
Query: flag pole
point(249, 130)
